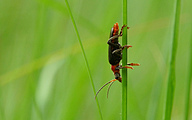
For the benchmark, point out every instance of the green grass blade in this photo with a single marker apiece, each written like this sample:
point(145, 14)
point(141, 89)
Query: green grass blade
point(188, 87)
point(172, 80)
point(124, 62)
point(86, 61)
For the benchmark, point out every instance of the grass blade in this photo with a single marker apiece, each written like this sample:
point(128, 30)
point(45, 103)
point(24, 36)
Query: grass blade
point(172, 80)
point(86, 61)
point(188, 87)
point(124, 62)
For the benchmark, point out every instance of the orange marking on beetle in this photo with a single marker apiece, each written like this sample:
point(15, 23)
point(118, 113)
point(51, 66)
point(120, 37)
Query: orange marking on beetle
point(113, 68)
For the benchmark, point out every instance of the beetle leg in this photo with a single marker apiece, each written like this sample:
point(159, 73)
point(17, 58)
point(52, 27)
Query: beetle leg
point(131, 64)
point(111, 43)
point(127, 67)
point(120, 49)
point(120, 34)
point(134, 64)
point(121, 67)
point(126, 46)
point(114, 37)
point(117, 50)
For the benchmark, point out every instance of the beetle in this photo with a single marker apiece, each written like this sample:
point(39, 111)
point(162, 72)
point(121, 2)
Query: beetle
point(115, 55)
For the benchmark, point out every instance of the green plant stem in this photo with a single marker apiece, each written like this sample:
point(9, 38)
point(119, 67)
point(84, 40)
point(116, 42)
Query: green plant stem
point(172, 80)
point(124, 62)
point(188, 87)
point(86, 61)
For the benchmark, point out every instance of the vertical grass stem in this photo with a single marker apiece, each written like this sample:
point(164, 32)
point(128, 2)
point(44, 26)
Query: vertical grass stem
point(124, 62)
point(188, 87)
point(171, 79)
point(86, 61)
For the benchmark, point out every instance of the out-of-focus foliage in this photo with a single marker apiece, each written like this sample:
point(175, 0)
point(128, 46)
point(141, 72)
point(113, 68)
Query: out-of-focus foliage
point(42, 69)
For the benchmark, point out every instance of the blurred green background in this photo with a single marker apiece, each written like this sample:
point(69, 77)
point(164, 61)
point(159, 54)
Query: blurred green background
point(43, 75)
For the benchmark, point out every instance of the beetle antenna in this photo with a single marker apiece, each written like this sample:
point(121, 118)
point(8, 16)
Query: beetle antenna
point(104, 86)
point(110, 87)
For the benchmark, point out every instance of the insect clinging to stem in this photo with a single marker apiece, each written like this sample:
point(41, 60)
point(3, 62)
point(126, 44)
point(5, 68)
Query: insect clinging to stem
point(115, 55)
